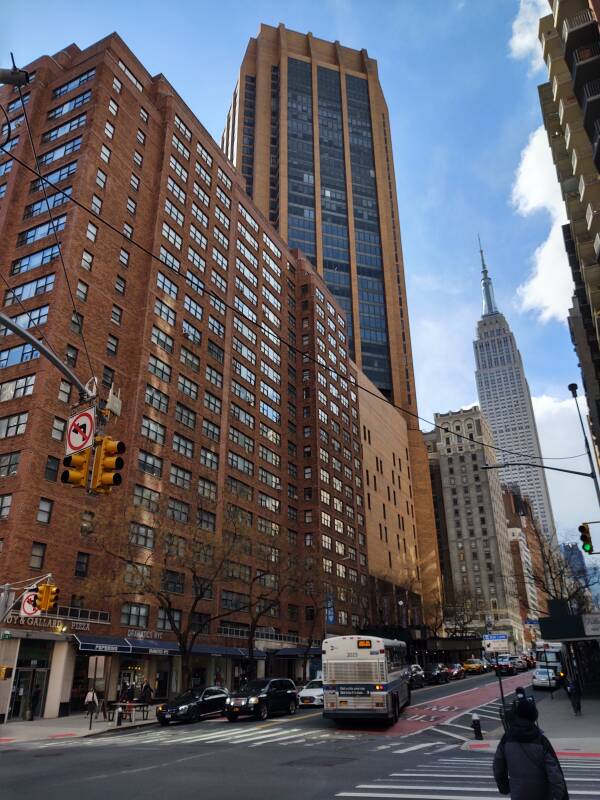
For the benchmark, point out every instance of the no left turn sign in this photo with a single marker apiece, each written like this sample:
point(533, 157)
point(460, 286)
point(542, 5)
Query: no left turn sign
point(80, 431)
point(28, 608)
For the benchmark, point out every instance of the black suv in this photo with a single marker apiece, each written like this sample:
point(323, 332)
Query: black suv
point(261, 698)
point(193, 705)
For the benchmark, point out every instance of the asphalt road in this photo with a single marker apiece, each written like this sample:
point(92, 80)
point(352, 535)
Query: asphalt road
point(303, 756)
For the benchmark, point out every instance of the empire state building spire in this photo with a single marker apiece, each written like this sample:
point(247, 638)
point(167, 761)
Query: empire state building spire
point(489, 301)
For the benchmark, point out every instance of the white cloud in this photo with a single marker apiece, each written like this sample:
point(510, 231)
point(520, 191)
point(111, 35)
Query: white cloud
point(549, 287)
point(524, 43)
point(572, 496)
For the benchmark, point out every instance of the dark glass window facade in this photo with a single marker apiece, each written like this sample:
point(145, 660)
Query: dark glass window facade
point(248, 143)
point(274, 149)
point(369, 263)
point(301, 167)
point(334, 206)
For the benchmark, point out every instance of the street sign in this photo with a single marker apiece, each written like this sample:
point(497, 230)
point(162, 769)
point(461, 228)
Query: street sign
point(494, 637)
point(532, 621)
point(495, 642)
point(28, 608)
point(80, 431)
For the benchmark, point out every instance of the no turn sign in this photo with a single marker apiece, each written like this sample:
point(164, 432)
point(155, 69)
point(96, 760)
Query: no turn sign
point(80, 431)
point(28, 608)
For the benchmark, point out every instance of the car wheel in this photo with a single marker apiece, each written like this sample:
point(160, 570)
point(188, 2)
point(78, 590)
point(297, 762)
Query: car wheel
point(292, 708)
point(263, 711)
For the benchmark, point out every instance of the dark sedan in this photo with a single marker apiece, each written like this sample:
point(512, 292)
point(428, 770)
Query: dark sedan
point(416, 677)
point(437, 673)
point(193, 705)
point(261, 698)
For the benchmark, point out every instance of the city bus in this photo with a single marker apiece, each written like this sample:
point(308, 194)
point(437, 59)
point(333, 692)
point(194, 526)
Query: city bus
point(364, 677)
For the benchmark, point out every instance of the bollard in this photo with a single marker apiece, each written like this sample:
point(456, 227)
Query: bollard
point(476, 725)
point(119, 713)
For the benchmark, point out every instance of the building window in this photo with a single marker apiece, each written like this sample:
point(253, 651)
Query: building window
point(116, 315)
point(100, 180)
point(82, 291)
point(108, 376)
point(87, 259)
point(112, 345)
point(91, 232)
point(178, 510)
point(141, 535)
point(71, 355)
point(44, 513)
point(135, 615)
point(163, 623)
point(109, 129)
point(38, 552)
point(76, 322)
point(58, 429)
point(64, 391)
point(51, 470)
point(9, 463)
point(81, 565)
point(5, 504)
point(145, 498)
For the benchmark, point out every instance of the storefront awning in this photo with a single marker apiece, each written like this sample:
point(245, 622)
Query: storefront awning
point(153, 647)
point(101, 644)
point(295, 652)
point(218, 650)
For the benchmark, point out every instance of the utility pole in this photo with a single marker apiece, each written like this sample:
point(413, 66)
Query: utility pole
point(572, 387)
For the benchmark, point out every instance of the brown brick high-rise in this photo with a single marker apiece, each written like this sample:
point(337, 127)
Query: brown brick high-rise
point(309, 129)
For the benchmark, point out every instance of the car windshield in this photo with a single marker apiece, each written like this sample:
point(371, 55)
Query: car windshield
point(472, 661)
point(253, 687)
point(314, 685)
point(187, 697)
point(543, 673)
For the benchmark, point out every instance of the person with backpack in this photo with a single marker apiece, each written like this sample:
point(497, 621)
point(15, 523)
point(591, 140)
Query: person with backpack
point(525, 765)
point(91, 703)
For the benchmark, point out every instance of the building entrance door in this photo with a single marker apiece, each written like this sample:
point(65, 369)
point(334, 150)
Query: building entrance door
point(28, 693)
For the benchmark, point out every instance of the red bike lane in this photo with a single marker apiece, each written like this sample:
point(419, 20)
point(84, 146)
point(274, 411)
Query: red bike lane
point(420, 716)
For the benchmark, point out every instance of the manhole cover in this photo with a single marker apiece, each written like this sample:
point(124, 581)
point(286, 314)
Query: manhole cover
point(317, 762)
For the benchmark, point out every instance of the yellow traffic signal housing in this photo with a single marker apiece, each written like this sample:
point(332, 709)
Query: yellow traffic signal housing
point(586, 538)
point(107, 463)
point(52, 593)
point(42, 596)
point(76, 468)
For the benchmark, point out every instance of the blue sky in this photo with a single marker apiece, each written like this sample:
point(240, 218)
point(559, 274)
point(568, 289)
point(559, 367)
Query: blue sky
point(460, 78)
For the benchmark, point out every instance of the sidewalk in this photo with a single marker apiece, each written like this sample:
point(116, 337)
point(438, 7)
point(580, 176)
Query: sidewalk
point(70, 727)
point(556, 719)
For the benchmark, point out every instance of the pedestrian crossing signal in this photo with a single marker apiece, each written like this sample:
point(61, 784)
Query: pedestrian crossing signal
point(586, 539)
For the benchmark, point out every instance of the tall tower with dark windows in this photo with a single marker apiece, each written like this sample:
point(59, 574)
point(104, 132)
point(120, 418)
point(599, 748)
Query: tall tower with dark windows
point(309, 129)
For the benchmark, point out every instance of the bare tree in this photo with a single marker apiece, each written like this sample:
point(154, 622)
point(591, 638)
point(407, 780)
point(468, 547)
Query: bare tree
point(560, 579)
point(459, 614)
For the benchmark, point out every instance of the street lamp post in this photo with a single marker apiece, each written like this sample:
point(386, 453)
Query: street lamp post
point(572, 387)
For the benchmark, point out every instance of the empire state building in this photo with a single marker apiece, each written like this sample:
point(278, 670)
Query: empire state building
point(505, 400)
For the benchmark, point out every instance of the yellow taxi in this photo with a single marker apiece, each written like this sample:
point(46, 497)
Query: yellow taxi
point(474, 665)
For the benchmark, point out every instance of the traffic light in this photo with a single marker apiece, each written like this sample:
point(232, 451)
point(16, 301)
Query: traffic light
point(41, 596)
point(52, 593)
point(586, 539)
point(76, 468)
point(107, 463)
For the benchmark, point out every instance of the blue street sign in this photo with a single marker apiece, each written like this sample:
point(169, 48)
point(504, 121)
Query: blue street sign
point(532, 622)
point(495, 636)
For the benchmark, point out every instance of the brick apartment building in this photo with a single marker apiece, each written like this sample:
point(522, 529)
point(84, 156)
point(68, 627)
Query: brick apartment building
point(243, 486)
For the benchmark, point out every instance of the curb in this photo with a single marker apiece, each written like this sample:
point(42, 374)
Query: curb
point(121, 729)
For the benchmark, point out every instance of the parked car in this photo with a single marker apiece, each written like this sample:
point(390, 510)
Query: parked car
point(261, 698)
point(544, 679)
point(456, 672)
point(193, 705)
point(437, 673)
point(474, 666)
point(488, 664)
point(417, 676)
point(311, 694)
point(518, 663)
point(505, 666)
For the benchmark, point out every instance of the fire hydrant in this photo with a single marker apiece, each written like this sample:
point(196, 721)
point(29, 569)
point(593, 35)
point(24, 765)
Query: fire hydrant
point(476, 725)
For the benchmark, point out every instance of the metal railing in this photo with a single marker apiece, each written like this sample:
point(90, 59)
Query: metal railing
point(242, 633)
point(591, 89)
point(577, 21)
point(586, 53)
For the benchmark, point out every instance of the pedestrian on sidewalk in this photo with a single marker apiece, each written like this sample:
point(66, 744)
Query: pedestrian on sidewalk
point(146, 692)
point(91, 703)
point(572, 690)
point(525, 765)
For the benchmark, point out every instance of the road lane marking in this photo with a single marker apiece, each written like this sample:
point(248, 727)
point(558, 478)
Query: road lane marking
point(416, 747)
point(411, 796)
point(454, 725)
point(449, 733)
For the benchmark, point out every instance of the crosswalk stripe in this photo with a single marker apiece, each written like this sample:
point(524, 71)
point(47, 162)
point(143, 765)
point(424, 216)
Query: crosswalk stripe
point(411, 796)
point(416, 747)
point(454, 725)
point(240, 739)
point(449, 733)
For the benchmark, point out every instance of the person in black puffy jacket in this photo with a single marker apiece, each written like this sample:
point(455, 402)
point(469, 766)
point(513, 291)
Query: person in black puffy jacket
point(525, 765)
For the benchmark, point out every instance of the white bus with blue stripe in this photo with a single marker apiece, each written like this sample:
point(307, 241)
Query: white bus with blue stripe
point(364, 677)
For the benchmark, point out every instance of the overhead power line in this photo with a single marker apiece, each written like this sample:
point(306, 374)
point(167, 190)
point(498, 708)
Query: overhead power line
point(289, 344)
